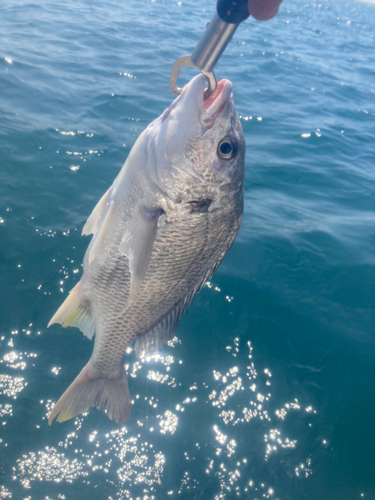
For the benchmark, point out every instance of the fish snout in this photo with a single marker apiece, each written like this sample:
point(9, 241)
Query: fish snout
point(215, 104)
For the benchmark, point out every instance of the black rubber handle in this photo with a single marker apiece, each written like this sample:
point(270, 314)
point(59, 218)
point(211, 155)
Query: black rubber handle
point(232, 11)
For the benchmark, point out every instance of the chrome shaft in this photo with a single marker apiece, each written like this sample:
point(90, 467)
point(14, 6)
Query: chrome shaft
point(212, 44)
point(206, 54)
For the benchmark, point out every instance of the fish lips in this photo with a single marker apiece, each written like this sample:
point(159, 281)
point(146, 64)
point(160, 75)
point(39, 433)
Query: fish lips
point(208, 109)
point(214, 105)
point(192, 101)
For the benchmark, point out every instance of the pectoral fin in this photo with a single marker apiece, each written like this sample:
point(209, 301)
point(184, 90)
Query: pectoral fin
point(137, 244)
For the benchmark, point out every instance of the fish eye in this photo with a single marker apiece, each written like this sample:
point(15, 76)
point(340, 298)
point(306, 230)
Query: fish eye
point(227, 148)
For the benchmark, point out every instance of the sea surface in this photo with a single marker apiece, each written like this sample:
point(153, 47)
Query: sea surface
point(268, 391)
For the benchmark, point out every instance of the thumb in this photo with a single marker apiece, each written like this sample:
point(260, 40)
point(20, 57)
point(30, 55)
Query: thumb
point(263, 10)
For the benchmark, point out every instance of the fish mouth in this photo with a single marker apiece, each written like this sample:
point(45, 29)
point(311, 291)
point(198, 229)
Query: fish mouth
point(218, 98)
point(214, 105)
point(192, 104)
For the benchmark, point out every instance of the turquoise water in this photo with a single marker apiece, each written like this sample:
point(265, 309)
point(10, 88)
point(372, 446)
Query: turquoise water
point(269, 390)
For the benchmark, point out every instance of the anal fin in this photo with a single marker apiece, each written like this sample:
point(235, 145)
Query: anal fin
point(72, 313)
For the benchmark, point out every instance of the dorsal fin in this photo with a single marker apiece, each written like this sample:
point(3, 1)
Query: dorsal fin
point(154, 340)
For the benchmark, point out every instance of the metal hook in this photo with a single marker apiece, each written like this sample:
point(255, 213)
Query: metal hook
point(186, 61)
point(206, 54)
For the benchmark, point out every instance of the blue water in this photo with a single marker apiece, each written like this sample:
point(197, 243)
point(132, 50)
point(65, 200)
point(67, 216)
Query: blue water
point(269, 390)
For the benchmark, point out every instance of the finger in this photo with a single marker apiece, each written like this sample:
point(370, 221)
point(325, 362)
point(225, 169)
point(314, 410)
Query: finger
point(263, 10)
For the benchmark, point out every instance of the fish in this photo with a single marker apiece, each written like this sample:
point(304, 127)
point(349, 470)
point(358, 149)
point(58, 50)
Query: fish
point(159, 233)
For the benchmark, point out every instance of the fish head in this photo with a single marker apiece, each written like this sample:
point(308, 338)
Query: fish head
point(199, 142)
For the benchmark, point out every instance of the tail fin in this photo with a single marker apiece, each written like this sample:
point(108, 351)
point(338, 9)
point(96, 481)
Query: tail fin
point(88, 391)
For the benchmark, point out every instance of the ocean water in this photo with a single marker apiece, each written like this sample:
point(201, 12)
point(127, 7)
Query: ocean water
point(268, 390)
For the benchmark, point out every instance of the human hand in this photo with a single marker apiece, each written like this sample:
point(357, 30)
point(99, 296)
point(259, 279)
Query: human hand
point(263, 10)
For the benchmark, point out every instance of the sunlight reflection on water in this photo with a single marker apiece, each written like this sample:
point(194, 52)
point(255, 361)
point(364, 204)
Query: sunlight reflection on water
point(286, 416)
point(134, 456)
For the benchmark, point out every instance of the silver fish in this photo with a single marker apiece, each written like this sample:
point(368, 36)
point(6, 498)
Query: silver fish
point(159, 233)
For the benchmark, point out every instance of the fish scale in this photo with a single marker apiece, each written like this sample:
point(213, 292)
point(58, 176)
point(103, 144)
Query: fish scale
point(142, 317)
point(160, 232)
